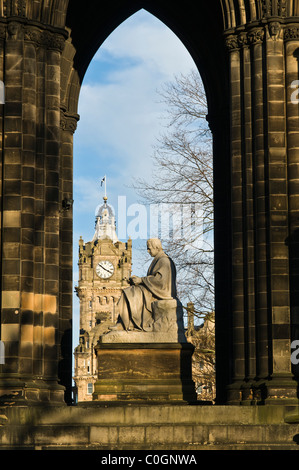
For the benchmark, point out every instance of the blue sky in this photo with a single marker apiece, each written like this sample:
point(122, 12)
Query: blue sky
point(120, 120)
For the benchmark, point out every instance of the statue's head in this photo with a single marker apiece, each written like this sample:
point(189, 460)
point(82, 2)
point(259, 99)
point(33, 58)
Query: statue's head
point(154, 245)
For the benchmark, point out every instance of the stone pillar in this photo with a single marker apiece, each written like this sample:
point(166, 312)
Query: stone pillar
point(280, 384)
point(291, 37)
point(238, 317)
point(68, 127)
point(261, 329)
point(31, 214)
point(259, 162)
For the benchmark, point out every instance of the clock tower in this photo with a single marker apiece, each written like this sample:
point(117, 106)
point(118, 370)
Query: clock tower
point(104, 267)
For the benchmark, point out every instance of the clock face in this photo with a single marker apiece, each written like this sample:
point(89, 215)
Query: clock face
point(105, 269)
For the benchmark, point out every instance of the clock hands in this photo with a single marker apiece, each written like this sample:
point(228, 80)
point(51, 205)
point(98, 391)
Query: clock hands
point(108, 270)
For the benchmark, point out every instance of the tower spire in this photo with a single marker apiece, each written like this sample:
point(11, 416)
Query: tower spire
point(105, 218)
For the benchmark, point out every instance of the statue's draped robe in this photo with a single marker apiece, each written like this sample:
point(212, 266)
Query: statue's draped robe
point(159, 283)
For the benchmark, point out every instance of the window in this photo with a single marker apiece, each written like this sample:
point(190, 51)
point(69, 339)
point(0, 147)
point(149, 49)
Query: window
point(89, 388)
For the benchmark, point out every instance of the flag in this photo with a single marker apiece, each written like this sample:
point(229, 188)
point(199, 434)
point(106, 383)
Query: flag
point(103, 180)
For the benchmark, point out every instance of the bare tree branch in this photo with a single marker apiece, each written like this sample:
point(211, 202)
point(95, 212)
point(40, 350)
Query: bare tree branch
point(183, 175)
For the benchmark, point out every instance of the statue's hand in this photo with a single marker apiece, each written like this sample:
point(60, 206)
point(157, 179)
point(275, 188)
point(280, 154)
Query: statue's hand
point(136, 280)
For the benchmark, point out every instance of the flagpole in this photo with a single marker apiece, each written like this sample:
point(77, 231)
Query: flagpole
point(105, 187)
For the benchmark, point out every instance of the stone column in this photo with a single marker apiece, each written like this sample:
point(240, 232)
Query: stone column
point(280, 384)
point(238, 315)
point(12, 67)
point(248, 194)
point(291, 37)
point(31, 215)
point(261, 330)
point(68, 125)
point(256, 39)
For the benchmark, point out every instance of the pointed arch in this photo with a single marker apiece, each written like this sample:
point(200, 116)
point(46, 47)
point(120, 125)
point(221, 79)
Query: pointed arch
point(90, 26)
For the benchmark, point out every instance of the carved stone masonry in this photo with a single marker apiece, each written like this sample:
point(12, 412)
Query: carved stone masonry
point(21, 7)
point(274, 30)
point(291, 32)
point(15, 8)
point(274, 8)
point(243, 39)
point(232, 42)
point(45, 38)
point(282, 8)
point(14, 30)
point(68, 121)
point(256, 36)
point(267, 7)
point(41, 38)
point(53, 41)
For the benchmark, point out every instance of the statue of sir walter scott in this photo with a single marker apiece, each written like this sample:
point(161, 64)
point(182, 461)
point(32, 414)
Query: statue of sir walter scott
point(134, 307)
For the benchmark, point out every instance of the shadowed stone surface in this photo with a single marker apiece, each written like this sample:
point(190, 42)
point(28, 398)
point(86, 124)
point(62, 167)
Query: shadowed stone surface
point(144, 371)
point(157, 426)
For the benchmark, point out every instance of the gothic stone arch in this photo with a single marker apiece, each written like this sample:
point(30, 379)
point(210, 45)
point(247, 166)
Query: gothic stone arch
point(246, 52)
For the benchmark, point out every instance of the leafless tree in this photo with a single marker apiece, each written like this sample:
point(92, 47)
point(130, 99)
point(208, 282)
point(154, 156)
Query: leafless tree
point(183, 178)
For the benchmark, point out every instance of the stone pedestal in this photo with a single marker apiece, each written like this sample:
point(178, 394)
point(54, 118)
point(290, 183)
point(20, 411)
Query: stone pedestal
point(144, 372)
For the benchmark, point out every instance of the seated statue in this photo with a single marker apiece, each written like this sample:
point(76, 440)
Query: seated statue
point(135, 306)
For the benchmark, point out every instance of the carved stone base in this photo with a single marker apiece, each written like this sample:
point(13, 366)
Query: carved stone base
point(30, 392)
point(277, 390)
point(144, 372)
point(167, 327)
point(136, 336)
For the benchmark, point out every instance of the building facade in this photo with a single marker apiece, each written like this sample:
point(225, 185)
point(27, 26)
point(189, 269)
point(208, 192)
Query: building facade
point(104, 267)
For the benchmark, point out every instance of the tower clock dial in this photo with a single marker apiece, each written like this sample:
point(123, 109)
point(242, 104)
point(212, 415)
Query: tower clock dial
point(105, 269)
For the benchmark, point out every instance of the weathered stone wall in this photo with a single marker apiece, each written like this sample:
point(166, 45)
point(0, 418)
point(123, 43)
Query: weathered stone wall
point(158, 427)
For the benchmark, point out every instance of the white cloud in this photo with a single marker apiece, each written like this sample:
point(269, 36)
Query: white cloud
point(144, 37)
point(120, 116)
